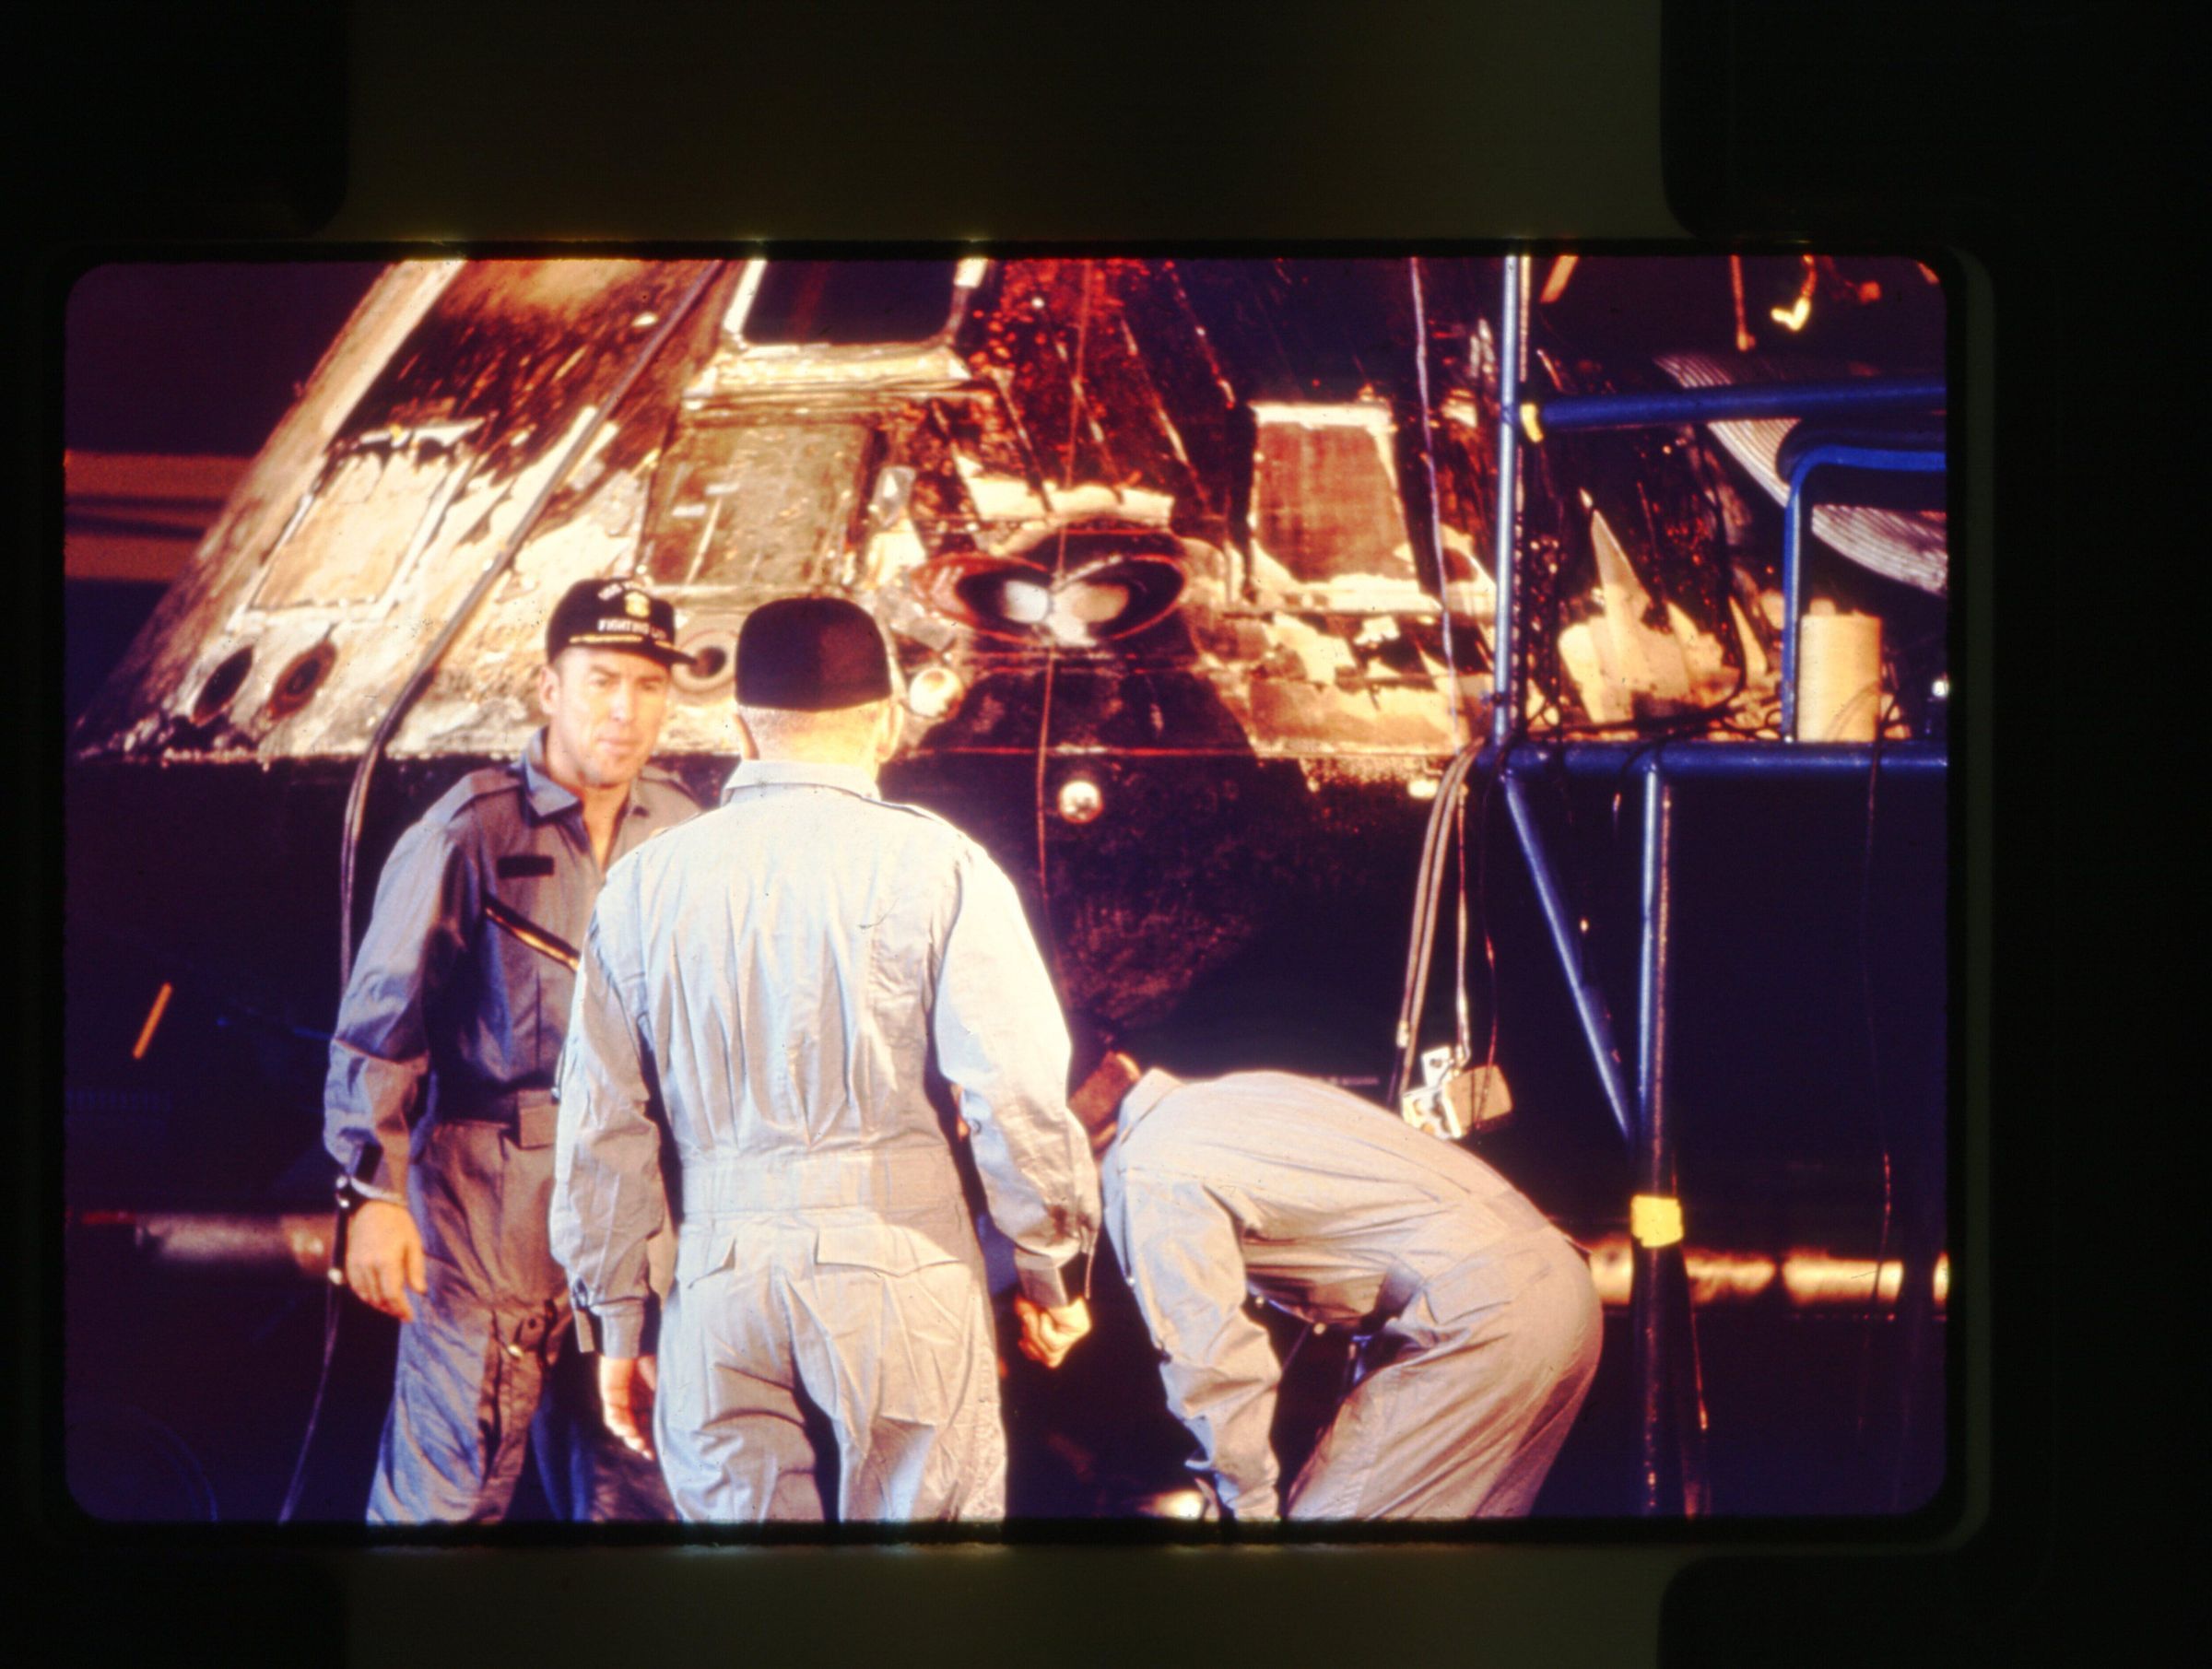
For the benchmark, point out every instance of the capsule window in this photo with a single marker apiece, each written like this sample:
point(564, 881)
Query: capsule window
point(848, 303)
point(1078, 589)
point(712, 646)
point(222, 684)
point(297, 683)
point(761, 506)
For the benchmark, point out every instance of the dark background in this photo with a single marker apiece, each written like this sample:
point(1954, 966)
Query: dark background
point(182, 359)
point(2034, 137)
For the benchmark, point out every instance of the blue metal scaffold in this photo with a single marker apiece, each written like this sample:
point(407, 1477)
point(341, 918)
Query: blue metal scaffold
point(1642, 1112)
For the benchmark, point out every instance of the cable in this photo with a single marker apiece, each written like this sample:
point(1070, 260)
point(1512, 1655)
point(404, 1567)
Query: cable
point(1436, 538)
point(1052, 649)
point(1429, 877)
point(1460, 727)
point(1482, 905)
point(357, 796)
point(1463, 1026)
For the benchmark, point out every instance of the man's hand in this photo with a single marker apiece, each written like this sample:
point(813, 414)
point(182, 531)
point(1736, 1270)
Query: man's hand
point(625, 1388)
point(1047, 1336)
point(383, 1257)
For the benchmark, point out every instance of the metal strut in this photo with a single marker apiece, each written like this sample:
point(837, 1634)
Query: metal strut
point(1659, 1296)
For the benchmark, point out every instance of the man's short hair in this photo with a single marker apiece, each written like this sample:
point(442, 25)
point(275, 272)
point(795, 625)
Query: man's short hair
point(811, 654)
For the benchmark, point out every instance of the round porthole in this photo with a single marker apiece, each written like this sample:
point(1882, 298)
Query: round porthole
point(712, 646)
point(298, 683)
point(222, 684)
point(934, 691)
point(1080, 800)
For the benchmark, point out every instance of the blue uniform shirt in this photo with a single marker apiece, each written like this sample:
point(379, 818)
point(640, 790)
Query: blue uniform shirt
point(461, 977)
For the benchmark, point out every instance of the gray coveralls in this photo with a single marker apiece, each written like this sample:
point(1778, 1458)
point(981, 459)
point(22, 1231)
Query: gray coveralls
point(763, 990)
point(461, 981)
point(1485, 1324)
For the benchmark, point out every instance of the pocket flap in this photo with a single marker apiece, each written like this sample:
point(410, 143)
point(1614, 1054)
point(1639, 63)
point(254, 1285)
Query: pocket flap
point(880, 1246)
point(698, 1256)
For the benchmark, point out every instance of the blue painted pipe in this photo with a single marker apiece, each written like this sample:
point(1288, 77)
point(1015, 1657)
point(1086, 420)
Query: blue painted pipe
point(1654, 1157)
point(1505, 707)
point(1734, 400)
point(1654, 1173)
point(1798, 516)
point(1589, 1002)
point(1707, 760)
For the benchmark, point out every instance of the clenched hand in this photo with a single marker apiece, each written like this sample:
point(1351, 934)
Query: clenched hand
point(383, 1258)
point(625, 1388)
point(1047, 1336)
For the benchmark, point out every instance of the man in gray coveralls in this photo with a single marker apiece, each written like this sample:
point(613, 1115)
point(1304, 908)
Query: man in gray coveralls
point(1483, 1323)
point(762, 996)
point(439, 1104)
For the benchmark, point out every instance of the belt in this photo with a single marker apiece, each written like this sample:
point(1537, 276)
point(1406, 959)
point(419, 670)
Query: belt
point(528, 1115)
point(894, 1182)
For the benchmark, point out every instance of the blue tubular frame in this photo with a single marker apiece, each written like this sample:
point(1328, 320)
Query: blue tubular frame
point(1654, 1157)
point(1589, 1001)
point(1861, 394)
point(1797, 517)
point(1504, 695)
point(1705, 761)
point(1641, 1114)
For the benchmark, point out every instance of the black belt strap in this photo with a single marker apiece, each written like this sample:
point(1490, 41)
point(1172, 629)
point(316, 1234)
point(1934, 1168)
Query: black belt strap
point(531, 1116)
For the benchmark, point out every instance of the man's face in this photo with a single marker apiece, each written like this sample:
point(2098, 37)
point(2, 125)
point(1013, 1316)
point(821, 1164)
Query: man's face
point(603, 711)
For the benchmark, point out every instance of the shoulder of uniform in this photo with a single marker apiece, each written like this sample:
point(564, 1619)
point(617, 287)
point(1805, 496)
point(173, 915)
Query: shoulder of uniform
point(927, 817)
point(472, 790)
point(956, 843)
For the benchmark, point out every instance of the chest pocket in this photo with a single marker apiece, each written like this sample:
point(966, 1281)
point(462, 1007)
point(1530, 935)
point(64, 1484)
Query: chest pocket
point(531, 961)
point(527, 912)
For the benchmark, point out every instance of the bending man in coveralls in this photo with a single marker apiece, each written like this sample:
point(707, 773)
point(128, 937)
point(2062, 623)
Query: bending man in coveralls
point(1484, 1323)
point(763, 992)
point(439, 1104)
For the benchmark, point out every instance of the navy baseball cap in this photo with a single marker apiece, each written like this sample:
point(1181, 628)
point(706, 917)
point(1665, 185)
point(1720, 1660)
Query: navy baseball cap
point(811, 654)
point(614, 614)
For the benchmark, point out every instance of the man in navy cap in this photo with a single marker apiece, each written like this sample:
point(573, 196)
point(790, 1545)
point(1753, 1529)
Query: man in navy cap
point(439, 1104)
point(762, 996)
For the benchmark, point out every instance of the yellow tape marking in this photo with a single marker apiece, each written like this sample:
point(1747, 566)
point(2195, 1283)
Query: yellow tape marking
point(1655, 1219)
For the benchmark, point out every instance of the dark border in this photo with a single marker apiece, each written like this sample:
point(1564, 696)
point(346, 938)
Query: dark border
point(1995, 1592)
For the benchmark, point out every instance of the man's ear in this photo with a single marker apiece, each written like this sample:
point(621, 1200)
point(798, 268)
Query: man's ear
point(548, 689)
point(891, 729)
point(746, 747)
